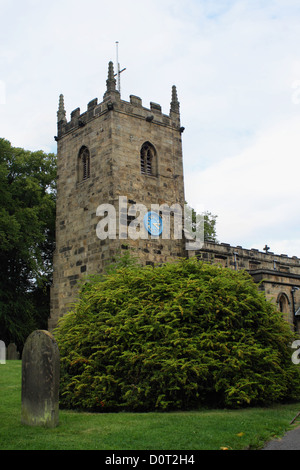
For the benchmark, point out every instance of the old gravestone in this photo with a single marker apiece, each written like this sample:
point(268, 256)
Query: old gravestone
point(12, 352)
point(2, 352)
point(40, 380)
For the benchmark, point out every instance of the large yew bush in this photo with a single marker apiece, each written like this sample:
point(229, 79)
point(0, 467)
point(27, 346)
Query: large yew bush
point(174, 337)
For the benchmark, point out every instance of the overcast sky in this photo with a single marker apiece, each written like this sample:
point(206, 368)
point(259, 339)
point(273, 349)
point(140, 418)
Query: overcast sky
point(236, 65)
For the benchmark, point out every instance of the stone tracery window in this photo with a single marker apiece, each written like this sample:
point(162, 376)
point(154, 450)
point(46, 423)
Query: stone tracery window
point(148, 156)
point(84, 164)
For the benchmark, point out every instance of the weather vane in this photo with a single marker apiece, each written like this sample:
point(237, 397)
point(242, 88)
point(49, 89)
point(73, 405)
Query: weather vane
point(118, 68)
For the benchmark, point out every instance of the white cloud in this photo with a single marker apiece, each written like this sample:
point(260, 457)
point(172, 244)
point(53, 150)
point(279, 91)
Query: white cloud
point(255, 193)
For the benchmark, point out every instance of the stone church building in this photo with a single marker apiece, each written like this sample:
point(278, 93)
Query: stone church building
point(116, 159)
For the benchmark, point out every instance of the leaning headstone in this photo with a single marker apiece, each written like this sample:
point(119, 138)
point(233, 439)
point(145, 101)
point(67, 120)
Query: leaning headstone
point(2, 352)
point(40, 380)
point(12, 352)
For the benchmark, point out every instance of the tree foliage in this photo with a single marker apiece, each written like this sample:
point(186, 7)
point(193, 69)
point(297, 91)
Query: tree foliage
point(174, 337)
point(210, 222)
point(205, 221)
point(27, 224)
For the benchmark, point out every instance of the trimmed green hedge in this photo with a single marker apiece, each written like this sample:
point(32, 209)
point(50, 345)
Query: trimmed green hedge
point(174, 337)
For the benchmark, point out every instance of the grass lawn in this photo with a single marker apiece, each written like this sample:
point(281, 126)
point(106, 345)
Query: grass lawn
point(188, 430)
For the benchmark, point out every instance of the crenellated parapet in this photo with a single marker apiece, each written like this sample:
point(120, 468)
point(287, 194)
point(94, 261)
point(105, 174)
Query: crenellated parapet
point(237, 257)
point(112, 103)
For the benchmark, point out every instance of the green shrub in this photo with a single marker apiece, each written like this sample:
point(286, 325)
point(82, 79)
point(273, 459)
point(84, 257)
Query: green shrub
point(174, 337)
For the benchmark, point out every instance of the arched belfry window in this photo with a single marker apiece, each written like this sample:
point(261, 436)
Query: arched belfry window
point(283, 303)
point(84, 164)
point(148, 159)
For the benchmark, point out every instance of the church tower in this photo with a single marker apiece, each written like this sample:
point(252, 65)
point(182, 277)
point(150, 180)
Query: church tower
point(117, 155)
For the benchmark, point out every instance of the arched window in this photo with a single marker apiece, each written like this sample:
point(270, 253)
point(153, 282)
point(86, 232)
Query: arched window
point(148, 156)
point(84, 164)
point(283, 303)
point(285, 307)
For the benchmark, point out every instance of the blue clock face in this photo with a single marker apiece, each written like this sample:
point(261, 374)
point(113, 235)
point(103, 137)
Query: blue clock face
point(153, 223)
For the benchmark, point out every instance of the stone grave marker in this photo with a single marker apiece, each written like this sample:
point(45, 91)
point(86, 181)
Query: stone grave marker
point(2, 352)
point(12, 352)
point(40, 380)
